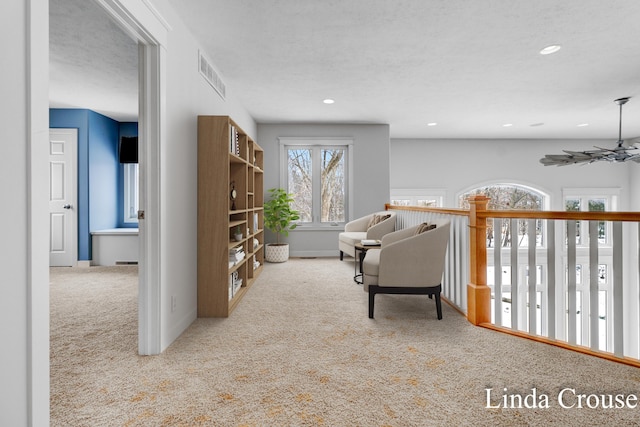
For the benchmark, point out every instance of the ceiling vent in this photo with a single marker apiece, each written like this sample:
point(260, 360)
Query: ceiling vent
point(211, 76)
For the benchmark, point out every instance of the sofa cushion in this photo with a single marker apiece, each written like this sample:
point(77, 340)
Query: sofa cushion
point(352, 237)
point(425, 226)
point(376, 219)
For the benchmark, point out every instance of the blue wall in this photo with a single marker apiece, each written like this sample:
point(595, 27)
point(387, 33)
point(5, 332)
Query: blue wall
point(99, 173)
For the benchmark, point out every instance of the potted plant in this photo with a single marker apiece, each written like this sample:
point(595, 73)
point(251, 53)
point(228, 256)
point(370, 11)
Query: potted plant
point(238, 234)
point(279, 217)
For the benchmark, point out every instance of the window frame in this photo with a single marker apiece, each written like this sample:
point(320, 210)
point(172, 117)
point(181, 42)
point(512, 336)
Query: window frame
point(318, 143)
point(130, 193)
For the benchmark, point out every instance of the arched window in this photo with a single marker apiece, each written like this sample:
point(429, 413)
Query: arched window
point(509, 196)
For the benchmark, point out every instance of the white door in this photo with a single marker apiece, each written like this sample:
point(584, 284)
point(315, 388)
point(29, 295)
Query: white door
point(63, 198)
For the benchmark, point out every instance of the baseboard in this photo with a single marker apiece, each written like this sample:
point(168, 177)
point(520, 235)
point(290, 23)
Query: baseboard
point(84, 264)
point(180, 327)
point(317, 254)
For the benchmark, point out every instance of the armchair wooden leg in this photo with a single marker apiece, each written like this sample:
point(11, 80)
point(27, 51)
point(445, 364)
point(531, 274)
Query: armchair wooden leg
point(341, 255)
point(429, 291)
point(372, 296)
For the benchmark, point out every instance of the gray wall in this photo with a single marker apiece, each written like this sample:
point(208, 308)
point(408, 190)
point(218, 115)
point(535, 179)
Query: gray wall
point(370, 175)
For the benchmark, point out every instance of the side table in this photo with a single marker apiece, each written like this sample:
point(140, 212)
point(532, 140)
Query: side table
point(360, 253)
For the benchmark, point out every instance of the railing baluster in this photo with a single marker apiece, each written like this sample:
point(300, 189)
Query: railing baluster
point(551, 278)
point(532, 277)
point(515, 299)
point(594, 338)
point(497, 271)
point(618, 310)
point(571, 281)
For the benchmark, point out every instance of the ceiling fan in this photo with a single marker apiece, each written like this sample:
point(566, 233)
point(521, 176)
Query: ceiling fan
point(621, 153)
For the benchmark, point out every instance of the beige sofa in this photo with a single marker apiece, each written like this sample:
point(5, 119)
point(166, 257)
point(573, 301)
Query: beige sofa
point(408, 263)
point(365, 228)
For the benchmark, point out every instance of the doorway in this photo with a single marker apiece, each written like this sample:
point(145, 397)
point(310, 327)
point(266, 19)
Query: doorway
point(150, 87)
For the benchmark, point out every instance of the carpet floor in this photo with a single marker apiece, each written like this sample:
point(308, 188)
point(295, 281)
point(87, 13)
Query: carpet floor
point(299, 350)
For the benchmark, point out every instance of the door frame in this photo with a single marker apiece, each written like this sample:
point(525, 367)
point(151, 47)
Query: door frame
point(145, 24)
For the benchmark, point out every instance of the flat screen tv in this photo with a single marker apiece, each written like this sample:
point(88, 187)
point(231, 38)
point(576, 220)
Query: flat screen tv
point(128, 152)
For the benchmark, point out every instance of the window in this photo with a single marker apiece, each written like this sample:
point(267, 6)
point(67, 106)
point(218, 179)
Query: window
point(316, 173)
point(427, 198)
point(509, 196)
point(130, 192)
point(590, 200)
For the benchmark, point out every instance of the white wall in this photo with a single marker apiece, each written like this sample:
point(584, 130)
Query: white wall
point(370, 175)
point(187, 96)
point(457, 165)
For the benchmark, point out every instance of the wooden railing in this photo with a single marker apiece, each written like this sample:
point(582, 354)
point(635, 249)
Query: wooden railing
point(595, 311)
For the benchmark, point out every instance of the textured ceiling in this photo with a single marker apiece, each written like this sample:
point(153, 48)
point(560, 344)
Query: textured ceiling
point(93, 64)
point(470, 66)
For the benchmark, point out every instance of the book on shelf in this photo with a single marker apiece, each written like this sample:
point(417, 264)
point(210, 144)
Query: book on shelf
point(370, 242)
point(235, 282)
point(232, 139)
point(236, 254)
point(234, 143)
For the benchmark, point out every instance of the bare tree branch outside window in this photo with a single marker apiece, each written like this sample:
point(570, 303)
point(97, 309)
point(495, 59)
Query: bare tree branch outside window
point(509, 197)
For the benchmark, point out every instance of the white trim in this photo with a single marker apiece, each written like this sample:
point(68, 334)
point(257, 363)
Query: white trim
point(315, 254)
point(130, 193)
point(36, 268)
point(151, 132)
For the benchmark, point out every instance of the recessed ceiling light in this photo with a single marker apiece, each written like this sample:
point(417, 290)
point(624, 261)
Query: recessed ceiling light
point(328, 101)
point(507, 125)
point(581, 125)
point(432, 124)
point(550, 49)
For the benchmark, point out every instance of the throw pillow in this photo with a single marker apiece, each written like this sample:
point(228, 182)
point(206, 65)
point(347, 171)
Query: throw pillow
point(425, 226)
point(377, 219)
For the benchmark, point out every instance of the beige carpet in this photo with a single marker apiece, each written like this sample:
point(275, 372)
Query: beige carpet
point(300, 351)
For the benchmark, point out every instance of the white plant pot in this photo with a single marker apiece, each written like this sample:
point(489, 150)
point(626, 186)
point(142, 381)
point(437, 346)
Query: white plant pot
point(276, 253)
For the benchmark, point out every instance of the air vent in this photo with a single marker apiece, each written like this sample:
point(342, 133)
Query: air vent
point(211, 76)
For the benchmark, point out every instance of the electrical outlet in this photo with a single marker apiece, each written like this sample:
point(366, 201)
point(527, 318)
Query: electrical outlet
point(174, 303)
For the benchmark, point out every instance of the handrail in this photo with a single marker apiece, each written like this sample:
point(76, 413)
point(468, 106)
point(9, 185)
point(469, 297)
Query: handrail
point(518, 213)
point(563, 215)
point(450, 211)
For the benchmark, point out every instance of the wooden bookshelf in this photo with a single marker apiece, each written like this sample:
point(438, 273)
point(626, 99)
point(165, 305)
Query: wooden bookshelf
point(228, 159)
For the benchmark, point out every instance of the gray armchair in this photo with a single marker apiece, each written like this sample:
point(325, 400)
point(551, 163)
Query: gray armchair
point(409, 261)
point(367, 227)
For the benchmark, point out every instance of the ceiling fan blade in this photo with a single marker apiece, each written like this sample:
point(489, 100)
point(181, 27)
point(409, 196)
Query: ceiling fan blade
point(564, 159)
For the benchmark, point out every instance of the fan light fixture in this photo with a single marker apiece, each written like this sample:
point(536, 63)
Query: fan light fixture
point(619, 154)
